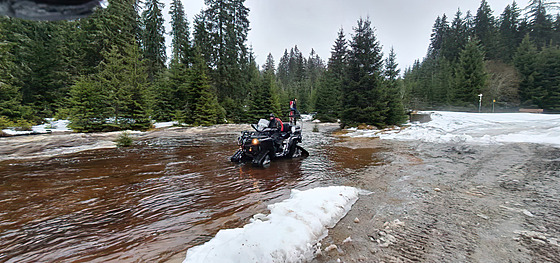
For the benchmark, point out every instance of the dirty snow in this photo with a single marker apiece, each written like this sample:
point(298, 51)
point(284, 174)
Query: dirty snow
point(476, 128)
point(288, 234)
point(50, 125)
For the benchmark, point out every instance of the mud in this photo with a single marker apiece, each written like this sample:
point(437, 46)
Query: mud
point(452, 203)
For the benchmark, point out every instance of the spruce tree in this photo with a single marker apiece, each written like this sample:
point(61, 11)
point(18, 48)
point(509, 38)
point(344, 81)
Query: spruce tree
point(549, 68)
point(485, 29)
point(10, 96)
point(509, 32)
point(89, 107)
point(268, 66)
point(124, 77)
point(540, 23)
point(471, 75)
point(363, 96)
point(205, 107)
point(329, 93)
point(180, 43)
point(153, 40)
point(223, 28)
point(457, 38)
point(526, 62)
point(395, 114)
point(440, 32)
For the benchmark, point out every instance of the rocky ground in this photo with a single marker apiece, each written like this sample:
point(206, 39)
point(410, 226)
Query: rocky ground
point(452, 203)
point(49, 145)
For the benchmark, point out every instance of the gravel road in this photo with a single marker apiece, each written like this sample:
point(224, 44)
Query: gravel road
point(452, 203)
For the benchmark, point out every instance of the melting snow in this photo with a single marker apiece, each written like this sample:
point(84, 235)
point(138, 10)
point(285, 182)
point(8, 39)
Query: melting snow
point(483, 128)
point(288, 234)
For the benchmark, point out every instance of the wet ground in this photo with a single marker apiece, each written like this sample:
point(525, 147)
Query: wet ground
point(149, 203)
point(452, 203)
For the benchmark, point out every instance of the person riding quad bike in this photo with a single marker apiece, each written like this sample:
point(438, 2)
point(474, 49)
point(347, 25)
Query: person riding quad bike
point(271, 139)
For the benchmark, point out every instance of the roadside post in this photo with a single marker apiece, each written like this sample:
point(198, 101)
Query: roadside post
point(493, 101)
point(479, 102)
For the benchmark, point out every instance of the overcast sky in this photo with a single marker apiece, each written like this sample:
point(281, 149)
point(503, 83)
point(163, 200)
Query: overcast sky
point(405, 25)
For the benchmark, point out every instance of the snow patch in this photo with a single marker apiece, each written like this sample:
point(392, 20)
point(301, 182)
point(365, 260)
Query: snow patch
point(159, 125)
point(49, 126)
point(288, 234)
point(475, 128)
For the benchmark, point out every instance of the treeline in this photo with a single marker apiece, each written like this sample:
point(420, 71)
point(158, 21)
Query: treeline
point(356, 86)
point(512, 60)
point(110, 72)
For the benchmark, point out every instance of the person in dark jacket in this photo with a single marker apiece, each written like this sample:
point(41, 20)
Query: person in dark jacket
point(293, 112)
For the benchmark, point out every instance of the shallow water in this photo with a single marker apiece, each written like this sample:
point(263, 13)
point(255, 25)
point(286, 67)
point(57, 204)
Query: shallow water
point(151, 202)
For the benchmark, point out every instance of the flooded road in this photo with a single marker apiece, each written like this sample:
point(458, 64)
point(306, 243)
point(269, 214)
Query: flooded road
point(151, 202)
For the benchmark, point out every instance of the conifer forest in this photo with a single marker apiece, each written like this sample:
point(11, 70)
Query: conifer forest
point(110, 71)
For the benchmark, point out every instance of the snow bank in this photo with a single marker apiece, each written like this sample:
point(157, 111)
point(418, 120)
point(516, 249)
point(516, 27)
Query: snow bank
point(50, 126)
point(287, 234)
point(483, 128)
point(159, 125)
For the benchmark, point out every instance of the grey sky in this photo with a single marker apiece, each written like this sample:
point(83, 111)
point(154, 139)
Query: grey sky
point(405, 25)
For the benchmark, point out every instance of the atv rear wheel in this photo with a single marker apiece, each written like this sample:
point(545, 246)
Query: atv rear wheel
point(299, 152)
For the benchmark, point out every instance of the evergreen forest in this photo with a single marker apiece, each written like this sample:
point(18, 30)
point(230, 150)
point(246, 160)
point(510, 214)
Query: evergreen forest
point(110, 71)
point(512, 60)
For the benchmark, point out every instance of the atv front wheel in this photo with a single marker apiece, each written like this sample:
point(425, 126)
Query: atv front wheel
point(262, 160)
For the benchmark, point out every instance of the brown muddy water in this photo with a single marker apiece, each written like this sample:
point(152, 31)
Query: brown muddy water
point(151, 202)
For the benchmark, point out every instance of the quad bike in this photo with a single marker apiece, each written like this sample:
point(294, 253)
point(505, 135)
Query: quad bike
point(265, 144)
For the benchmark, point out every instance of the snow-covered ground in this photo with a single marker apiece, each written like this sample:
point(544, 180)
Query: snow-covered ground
point(288, 234)
point(476, 128)
point(50, 125)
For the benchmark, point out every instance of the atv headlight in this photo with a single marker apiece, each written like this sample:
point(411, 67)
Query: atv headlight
point(255, 141)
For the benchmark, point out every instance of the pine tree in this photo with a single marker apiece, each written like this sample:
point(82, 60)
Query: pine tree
point(549, 68)
point(153, 40)
point(268, 66)
point(223, 27)
point(440, 32)
point(10, 96)
point(540, 22)
point(89, 108)
point(264, 100)
point(485, 29)
point(509, 38)
point(205, 107)
point(457, 38)
point(329, 93)
point(471, 75)
point(363, 95)
point(283, 68)
point(526, 63)
point(396, 114)
point(181, 47)
point(124, 77)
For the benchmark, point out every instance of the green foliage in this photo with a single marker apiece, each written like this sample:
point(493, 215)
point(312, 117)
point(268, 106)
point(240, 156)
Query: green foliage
point(114, 99)
point(363, 95)
point(153, 39)
point(526, 61)
point(124, 140)
point(89, 108)
point(453, 73)
point(471, 74)
point(205, 107)
point(264, 100)
point(181, 48)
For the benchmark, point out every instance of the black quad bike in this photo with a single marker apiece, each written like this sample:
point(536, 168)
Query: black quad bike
point(264, 144)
